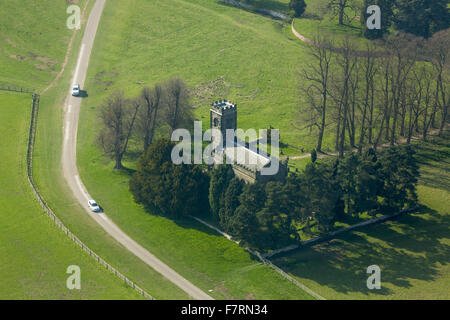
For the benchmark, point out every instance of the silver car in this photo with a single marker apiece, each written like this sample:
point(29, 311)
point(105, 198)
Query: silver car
point(93, 206)
point(76, 90)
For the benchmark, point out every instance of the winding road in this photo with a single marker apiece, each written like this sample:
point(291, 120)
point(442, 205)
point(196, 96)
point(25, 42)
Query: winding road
point(70, 128)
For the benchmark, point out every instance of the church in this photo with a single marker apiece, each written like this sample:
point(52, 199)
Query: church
point(248, 165)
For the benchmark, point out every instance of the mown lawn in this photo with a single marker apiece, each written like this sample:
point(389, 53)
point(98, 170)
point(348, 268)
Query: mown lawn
point(246, 58)
point(34, 254)
point(413, 252)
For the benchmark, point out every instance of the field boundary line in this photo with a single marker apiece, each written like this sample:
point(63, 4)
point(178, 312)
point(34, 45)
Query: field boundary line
point(51, 214)
point(287, 276)
point(16, 89)
point(333, 234)
point(264, 261)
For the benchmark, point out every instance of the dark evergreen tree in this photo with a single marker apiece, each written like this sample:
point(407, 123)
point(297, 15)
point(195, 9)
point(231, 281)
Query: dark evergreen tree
point(173, 190)
point(339, 206)
point(275, 219)
point(313, 155)
point(319, 196)
point(367, 186)
point(348, 175)
point(387, 15)
point(245, 225)
point(298, 6)
point(422, 17)
point(399, 173)
point(220, 178)
point(295, 197)
point(231, 202)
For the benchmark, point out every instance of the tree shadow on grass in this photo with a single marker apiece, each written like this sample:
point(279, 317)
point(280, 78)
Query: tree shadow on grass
point(183, 222)
point(128, 171)
point(188, 223)
point(132, 155)
point(258, 7)
point(405, 249)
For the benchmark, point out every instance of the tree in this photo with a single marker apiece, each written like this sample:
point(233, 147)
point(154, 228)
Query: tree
point(316, 87)
point(275, 219)
point(173, 190)
point(295, 200)
point(334, 180)
point(147, 117)
point(399, 173)
point(118, 115)
point(220, 178)
point(387, 15)
point(298, 6)
point(313, 156)
point(367, 184)
point(319, 198)
point(439, 50)
point(369, 69)
point(403, 57)
point(342, 92)
point(245, 225)
point(178, 110)
point(231, 202)
point(348, 175)
point(422, 17)
point(340, 7)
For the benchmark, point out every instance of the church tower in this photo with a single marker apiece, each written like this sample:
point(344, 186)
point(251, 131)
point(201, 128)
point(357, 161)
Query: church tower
point(223, 116)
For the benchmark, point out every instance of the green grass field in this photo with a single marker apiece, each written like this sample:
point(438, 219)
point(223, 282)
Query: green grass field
point(143, 46)
point(46, 25)
point(33, 41)
point(34, 254)
point(413, 251)
point(220, 51)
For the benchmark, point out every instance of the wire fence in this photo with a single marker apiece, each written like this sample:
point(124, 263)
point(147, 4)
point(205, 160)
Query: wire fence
point(49, 212)
point(17, 89)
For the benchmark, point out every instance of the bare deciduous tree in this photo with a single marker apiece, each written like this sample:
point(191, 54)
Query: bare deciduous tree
point(178, 110)
point(439, 48)
point(339, 7)
point(148, 115)
point(118, 115)
point(369, 69)
point(342, 91)
point(317, 77)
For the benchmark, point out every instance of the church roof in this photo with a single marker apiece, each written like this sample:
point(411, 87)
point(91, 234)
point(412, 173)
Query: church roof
point(238, 154)
point(244, 157)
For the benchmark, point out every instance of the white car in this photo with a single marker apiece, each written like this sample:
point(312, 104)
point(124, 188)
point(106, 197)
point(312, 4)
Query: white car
point(76, 90)
point(93, 206)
